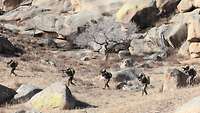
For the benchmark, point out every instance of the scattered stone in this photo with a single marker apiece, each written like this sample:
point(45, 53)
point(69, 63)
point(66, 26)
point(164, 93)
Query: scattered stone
point(120, 85)
point(85, 58)
point(126, 63)
point(146, 64)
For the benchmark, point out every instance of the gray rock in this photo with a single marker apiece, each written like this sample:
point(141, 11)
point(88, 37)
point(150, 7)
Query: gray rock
point(125, 75)
point(48, 42)
point(127, 63)
point(25, 92)
point(6, 94)
point(85, 58)
point(174, 79)
point(179, 77)
point(146, 64)
point(94, 38)
point(142, 47)
point(156, 56)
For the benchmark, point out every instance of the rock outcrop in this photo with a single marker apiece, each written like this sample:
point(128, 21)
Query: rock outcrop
point(142, 12)
point(6, 94)
point(56, 95)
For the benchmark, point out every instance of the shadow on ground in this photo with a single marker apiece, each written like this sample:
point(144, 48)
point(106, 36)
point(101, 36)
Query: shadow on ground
point(82, 105)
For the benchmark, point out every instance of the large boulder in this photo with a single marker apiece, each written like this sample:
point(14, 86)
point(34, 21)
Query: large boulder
point(193, 106)
point(63, 25)
point(6, 94)
point(187, 5)
point(142, 12)
point(160, 39)
point(106, 32)
point(124, 75)
point(6, 47)
point(141, 47)
point(22, 13)
point(174, 79)
point(57, 95)
point(26, 92)
point(174, 34)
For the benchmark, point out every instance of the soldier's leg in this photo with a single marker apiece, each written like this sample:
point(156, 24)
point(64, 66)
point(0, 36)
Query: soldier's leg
point(107, 85)
point(189, 80)
point(13, 71)
point(144, 90)
point(192, 80)
point(72, 81)
point(69, 81)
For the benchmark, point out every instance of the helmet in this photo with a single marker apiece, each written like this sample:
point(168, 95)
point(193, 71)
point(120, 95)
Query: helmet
point(103, 70)
point(141, 75)
point(187, 67)
point(68, 69)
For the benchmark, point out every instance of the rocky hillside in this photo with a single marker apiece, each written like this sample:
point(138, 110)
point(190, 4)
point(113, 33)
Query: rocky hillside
point(160, 26)
point(125, 36)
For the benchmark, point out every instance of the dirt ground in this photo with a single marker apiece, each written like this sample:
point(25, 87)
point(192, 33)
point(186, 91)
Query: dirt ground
point(89, 86)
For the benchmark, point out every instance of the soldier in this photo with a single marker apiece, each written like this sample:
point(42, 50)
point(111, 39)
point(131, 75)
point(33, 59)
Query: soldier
point(107, 76)
point(70, 73)
point(145, 80)
point(191, 72)
point(13, 64)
